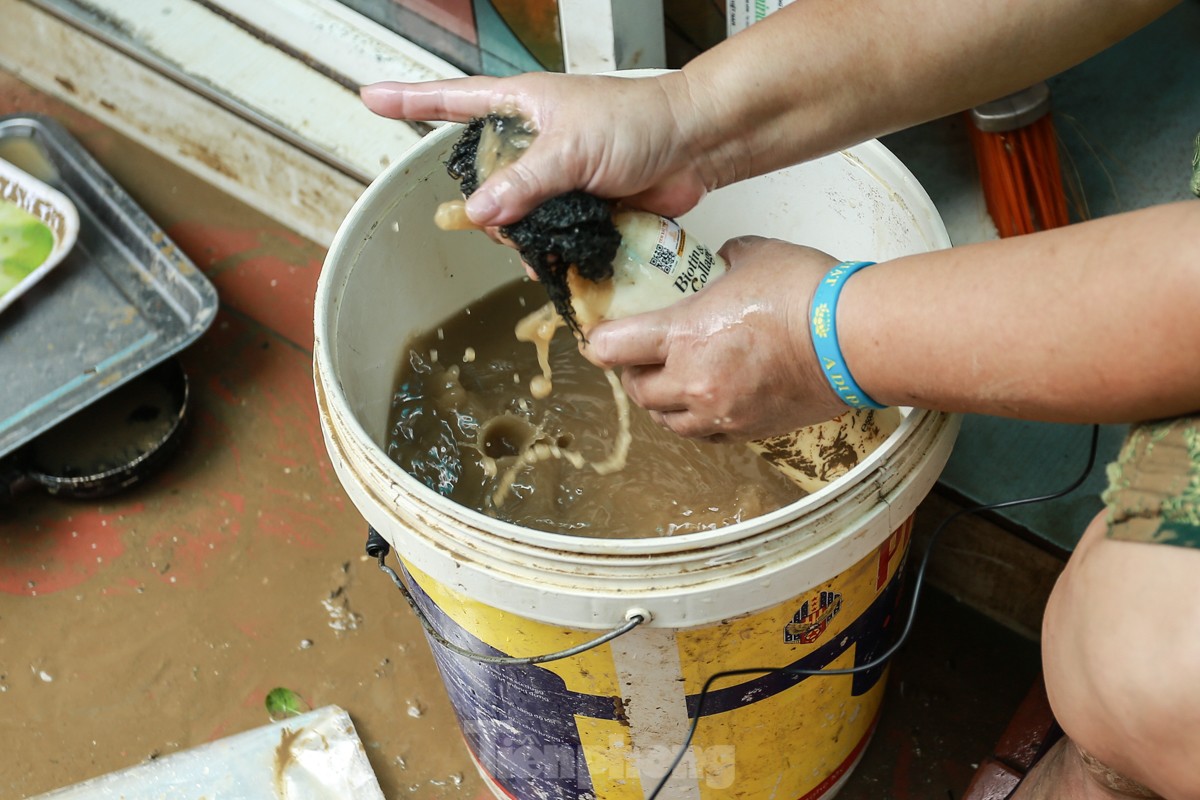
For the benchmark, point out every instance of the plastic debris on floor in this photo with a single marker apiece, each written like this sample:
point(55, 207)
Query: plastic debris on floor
point(313, 756)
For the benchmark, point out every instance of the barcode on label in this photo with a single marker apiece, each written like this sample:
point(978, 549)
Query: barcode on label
point(663, 259)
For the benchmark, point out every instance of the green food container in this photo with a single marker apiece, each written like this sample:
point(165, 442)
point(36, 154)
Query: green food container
point(38, 227)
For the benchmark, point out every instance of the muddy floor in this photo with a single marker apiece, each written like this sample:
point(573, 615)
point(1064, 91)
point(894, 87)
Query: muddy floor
point(159, 619)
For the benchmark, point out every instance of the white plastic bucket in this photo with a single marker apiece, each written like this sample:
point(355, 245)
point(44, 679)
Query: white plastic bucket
point(815, 583)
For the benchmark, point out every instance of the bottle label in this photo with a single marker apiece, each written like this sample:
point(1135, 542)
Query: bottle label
point(658, 263)
point(689, 265)
point(669, 247)
point(699, 268)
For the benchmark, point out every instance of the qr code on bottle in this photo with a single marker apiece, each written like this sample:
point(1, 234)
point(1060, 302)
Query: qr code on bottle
point(663, 259)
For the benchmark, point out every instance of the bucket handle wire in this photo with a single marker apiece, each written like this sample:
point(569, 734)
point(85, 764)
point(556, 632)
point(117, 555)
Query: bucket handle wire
point(378, 548)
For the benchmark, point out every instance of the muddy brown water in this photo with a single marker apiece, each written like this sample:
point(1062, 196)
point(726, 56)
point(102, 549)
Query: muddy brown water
point(463, 401)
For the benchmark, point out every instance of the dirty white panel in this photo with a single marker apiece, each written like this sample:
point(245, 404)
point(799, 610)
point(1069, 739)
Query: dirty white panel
point(256, 167)
point(240, 68)
point(314, 756)
point(341, 40)
point(604, 35)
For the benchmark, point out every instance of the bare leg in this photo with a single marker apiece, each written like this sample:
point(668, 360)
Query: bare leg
point(1121, 654)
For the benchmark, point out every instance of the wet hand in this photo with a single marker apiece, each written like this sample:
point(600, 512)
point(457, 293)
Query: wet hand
point(622, 138)
point(735, 361)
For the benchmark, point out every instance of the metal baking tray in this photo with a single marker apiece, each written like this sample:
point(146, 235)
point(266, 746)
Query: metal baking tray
point(124, 299)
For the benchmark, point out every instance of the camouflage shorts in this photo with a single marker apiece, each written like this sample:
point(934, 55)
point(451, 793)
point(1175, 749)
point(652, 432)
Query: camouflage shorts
point(1153, 490)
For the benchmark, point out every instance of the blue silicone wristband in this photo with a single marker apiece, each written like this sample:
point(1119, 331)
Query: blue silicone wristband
point(823, 324)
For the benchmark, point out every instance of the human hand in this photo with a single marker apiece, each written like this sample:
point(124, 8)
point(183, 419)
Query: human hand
point(619, 138)
point(733, 361)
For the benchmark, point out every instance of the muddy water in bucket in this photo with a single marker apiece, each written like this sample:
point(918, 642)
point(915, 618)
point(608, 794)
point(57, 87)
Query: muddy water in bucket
point(466, 424)
point(814, 583)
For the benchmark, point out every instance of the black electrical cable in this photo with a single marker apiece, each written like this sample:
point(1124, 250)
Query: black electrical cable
point(918, 582)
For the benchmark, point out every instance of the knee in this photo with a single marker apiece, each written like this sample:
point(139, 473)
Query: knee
point(1121, 650)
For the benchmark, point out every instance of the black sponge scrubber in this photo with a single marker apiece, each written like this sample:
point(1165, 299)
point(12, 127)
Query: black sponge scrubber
point(571, 230)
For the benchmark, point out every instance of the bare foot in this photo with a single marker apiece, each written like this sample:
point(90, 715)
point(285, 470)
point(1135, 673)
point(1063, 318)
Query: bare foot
point(1067, 773)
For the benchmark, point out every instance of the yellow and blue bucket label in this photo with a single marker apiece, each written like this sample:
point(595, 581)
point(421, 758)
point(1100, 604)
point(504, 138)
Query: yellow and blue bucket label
point(605, 725)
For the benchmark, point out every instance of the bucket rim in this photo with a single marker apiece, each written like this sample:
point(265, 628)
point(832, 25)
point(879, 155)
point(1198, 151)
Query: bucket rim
point(537, 543)
point(338, 267)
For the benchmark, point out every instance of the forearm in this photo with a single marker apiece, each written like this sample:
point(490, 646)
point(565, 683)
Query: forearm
point(1095, 322)
point(823, 74)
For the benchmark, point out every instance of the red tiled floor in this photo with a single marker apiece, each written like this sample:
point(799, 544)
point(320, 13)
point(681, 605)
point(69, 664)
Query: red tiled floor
point(267, 273)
